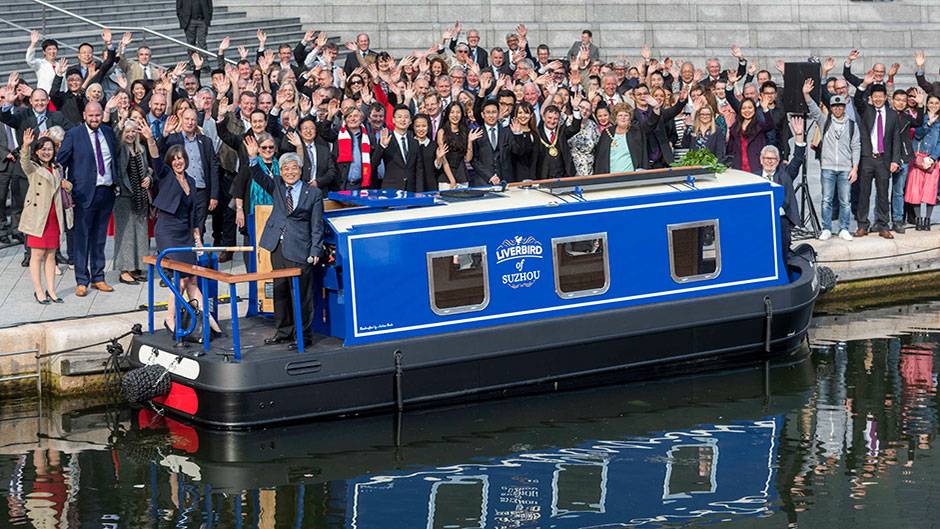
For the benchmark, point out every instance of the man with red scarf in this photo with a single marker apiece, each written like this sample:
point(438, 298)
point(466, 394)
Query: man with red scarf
point(354, 153)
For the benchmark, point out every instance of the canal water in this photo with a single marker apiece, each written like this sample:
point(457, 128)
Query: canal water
point(846, 438)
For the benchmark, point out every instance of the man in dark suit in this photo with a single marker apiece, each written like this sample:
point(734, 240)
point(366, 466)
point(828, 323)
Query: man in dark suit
point(203, 165)
point(88, 154)
point(476, 53)
point(552, 154)
point(361, 48)
point(399, 152)
point(785, 174)
point(881, 155)
point(195, 17)
point(294, 236)
point(492, 161)
point(319, 167)
point(10, 175)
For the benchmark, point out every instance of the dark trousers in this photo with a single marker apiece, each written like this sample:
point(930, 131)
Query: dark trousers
point(874, 170)
point(196, 33)
point(223, 217)
point(90, 235)
point(786, 229)
point(201, 209)
point(6, 185)
point(283, 301)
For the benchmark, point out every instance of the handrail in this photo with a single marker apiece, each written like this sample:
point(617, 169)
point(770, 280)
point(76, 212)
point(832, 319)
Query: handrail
point(27, 30)
point(156, 264)
point(131, 29)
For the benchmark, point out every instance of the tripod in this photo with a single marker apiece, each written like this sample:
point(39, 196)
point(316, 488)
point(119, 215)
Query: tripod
point(810, 226)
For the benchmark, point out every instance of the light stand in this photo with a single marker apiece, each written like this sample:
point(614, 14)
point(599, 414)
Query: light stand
point(810, 226)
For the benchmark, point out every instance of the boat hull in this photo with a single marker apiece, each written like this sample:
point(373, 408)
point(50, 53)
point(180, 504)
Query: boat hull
point(600, 348)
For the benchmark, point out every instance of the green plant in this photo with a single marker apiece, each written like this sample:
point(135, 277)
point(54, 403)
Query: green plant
point(702, 157)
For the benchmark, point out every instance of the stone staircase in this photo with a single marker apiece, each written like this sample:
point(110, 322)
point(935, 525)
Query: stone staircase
point(158, 15)
point(885, 31)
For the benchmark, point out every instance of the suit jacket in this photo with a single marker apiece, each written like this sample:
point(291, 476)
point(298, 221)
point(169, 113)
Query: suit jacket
point(352, 62)
point(426, 172)
point(134, 71)
point(169, 191)
point(399, 172)
point(542, 156)
point(488, 162)
point(375, 156)
point(302, 228)
point(636, 141)
point(594, 53)
point(184, 11)
point(210, 163)
point(25, 118)
point(785, 175)
point(326, 166)
point(77, 155)
point(481, 58)
point(866, 123)
point(756, 140)
point(11, 166)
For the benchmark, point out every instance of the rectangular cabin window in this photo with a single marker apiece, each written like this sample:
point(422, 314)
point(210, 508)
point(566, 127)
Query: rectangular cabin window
point(458, 280)
point(694, 251)
point(459, 502)
point(691, 469)
point(581, 265)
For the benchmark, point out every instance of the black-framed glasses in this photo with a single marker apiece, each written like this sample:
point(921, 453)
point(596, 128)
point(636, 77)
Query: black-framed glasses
point(355, 81)
point(267, 147)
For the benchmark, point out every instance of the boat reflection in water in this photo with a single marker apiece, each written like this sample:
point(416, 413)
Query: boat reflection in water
point(524, 463)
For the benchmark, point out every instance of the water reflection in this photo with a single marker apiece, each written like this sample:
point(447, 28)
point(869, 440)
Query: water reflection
point(843, 439)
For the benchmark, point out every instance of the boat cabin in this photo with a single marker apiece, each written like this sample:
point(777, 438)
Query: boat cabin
point(454, 261)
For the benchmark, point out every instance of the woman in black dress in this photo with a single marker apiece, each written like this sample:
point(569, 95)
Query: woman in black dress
point(523, 144)
point(454, 134)
point(426, 171)
point(176, 222)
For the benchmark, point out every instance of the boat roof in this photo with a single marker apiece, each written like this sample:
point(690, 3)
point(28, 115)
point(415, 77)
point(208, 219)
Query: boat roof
point(525, 197)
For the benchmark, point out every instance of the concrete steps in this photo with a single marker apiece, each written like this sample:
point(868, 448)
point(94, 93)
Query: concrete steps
point(159, 15)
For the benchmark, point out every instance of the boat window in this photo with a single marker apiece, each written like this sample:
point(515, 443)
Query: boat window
point(579, 487)
point(461, 501)
point(581, 265)
point(458, 280)
point(691, 469)
point(694, 251)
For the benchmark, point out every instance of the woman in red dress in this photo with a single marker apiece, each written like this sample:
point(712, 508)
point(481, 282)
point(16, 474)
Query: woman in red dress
point(44, 218)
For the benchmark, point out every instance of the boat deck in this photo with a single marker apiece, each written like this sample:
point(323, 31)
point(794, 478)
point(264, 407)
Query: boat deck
point(253, 332)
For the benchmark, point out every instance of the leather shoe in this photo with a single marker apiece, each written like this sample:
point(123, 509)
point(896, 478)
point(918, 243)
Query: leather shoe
point(276, 340)
point(225, 257)
point(25, 263)
point(886, 234)
point(861, 232)
point(81, 291)
point(131, 281)
point(898, 227)
point(102, 286)
point(61, 259)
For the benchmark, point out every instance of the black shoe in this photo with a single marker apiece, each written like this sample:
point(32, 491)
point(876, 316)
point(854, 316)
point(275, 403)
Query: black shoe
point(5, 239)
point(898, 227)
point(225, 257)
point(61, 259)
point(125, 281)
point(215, 335)
point(276, 340)
point(52, 299)
point(25, 263)
point(44, 301)
point(919, 224)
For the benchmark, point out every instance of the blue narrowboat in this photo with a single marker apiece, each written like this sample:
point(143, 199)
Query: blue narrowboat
point(431, 298)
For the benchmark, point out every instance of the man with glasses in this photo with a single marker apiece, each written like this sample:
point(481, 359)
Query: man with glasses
point(785, 174)
point(475, 53)
point(878, 71)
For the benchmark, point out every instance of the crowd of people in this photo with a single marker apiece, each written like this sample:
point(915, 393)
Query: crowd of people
point(95, 136)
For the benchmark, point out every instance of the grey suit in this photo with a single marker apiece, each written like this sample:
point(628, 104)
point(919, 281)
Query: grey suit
point(292, 238)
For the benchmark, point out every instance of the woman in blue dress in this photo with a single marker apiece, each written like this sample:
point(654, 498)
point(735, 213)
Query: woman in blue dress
point(176, 221)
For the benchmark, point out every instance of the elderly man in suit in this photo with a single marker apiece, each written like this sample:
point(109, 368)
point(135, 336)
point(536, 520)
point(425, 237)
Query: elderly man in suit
point(88, 154)
point(785, 174)
point(294, 236)
point(195, 16)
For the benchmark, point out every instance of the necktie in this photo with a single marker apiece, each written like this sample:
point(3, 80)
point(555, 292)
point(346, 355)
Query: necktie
point(290, 199)
point(11, 138)
point(147, 72)
point(880, 132)
point(404, 148)
point(493, 137)
point(610, 102)
point(41, 122)
point(99, 157)
point(312, 155)
point(551, 139)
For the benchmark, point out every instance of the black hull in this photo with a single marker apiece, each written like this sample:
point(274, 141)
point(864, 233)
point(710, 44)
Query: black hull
point(561, 353)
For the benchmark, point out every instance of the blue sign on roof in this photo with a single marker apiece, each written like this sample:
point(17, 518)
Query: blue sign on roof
point(382, 198)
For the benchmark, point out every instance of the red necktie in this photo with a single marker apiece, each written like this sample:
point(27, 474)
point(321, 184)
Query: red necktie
point(552, 138)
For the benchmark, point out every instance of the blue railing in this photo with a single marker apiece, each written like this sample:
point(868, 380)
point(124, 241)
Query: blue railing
point(205, 283)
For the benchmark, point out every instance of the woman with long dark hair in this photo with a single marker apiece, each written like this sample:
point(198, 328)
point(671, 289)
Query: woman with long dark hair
point(44, 219)
point(523, 144)
point(456, 136)
point(748, 137)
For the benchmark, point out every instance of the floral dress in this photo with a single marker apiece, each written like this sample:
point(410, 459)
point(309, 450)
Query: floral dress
point(582, 147)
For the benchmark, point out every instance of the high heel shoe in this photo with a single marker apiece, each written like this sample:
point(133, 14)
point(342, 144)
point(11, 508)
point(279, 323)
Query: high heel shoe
point(41, 301)
point(214, 334)
point(167, 327)
point(52, 299)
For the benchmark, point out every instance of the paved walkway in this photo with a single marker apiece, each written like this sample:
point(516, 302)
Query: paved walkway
point(17, 305)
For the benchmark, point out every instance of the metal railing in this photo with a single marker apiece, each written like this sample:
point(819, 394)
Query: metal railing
point(46, 5)
point(37, 375)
